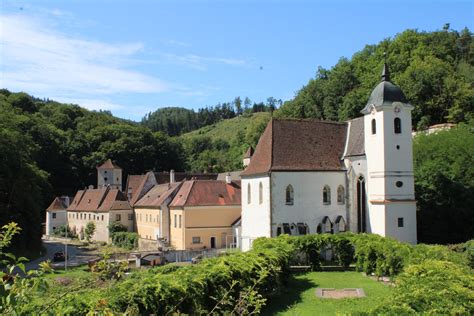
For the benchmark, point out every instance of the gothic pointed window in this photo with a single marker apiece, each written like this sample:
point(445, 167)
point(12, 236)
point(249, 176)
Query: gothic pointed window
point(397, 125)
point(249, 194)
point(327, 195)
point(289, 195)
point(260, 193)
point(340, 195)
point(374, 127)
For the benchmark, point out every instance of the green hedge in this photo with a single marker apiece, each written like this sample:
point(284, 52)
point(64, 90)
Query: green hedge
point(125, 240)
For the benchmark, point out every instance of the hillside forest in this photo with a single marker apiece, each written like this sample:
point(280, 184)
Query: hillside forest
point(48, 148)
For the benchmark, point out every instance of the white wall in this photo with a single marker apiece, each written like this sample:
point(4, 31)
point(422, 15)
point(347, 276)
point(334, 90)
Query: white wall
point(52, 223)
point(255, 216)
point(356, 166)
point(308, 206)
point(113, 176)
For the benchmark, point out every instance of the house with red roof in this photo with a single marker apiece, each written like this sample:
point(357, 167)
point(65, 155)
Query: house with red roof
point(56, 214)
point(202, 213)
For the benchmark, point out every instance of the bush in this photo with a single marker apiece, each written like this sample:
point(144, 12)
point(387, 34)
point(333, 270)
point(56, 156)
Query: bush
point(432, 287)
point(116, 227)
point(125, 240)
point(62, 230)
point(89, 231)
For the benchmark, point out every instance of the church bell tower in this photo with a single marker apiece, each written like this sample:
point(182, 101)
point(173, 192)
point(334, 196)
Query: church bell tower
point(389, 152)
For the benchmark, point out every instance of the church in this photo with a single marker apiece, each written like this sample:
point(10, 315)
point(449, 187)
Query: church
point(311, 176)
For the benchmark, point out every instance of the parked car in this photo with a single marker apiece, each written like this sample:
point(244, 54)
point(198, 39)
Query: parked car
point(59, 256)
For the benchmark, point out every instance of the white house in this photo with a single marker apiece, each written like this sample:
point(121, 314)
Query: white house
point(310, 176)
point(56, 214)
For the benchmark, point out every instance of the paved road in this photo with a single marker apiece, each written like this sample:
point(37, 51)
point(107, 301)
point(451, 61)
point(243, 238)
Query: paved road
point(76, 256)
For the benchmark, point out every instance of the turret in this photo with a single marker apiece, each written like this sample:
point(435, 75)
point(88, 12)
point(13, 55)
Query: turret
point(109, 174)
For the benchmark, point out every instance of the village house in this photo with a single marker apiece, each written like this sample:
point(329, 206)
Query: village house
point(102, 207)
point(202, 213)
point(310, 176)
point(56, 214)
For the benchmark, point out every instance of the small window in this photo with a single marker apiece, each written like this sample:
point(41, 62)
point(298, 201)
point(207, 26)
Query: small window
point(278, 231)
point(105, 179)
point(175, 221)
point(105, 171)
point(399, 184)
point(196, 240)
point(130, 217)
point(289, 195)
point(54, 215)
point(249, 194)
point(340, 195)
point(118, 217)
point(102, 217)
point(374, 127)
point(179, 221)
point(286, 228)
point(260, 193)
point(400, 222)
point(327, 195)
point(146, 218)
point(397, 125)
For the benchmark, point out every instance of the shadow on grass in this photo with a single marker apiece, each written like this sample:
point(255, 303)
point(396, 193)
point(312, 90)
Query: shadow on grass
point(290, 295)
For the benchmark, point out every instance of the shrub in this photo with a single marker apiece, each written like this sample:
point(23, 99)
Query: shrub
point(116, 227)
point(125, 240)
point(62, 230)
point(89, 231)
point(432, 287)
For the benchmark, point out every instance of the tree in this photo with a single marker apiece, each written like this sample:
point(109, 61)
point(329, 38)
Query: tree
point(238, 105)
point(89, 231)
point(444, 185)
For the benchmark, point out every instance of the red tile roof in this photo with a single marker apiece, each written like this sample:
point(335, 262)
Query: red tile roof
point(299, 145)
point(57, 205)
point(207, 193)
point(148, 181)
point(133, 182)
point(108, 165)
point(98, 200)
point(158, 194)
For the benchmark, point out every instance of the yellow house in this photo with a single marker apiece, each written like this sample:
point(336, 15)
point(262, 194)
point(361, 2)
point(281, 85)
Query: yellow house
point(202, 213)
point(152, 212)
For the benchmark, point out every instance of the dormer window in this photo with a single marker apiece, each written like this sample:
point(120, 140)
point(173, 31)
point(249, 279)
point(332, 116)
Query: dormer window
point(374, 127)
point(397, 125)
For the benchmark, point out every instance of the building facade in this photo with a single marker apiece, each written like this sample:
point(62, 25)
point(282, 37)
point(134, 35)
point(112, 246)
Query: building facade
point(310, 176)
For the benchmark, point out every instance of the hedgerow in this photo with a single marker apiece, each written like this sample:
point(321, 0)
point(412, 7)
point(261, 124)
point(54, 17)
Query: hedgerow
point(125, 240)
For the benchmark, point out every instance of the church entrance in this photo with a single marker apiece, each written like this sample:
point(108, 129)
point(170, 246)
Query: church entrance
point(361, 206)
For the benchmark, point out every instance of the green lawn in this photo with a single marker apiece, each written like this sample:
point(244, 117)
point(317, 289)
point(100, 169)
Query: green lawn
point(300, 296)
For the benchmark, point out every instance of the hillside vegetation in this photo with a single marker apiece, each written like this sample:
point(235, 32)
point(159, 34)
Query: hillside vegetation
point(434, 69)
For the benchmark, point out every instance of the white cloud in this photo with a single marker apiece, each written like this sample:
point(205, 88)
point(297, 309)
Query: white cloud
point(40, 60)
point(200, 62)
point(91, 104)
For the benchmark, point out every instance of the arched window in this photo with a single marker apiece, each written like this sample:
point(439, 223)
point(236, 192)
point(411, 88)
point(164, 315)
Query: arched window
point(327, 195)
point(397, 125)
point(374, 127)
point(340, 224)
point(340, 195)
point(249, 194)
point(260, 193)
point(289, 195)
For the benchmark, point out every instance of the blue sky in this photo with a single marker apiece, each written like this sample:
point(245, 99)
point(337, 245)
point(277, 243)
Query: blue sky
point(132, 57)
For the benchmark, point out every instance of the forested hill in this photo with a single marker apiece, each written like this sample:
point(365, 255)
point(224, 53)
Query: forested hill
point(48, 148)
point(434, 69)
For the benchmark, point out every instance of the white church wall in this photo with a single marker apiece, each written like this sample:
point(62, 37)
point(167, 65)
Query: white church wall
point(407, 212)
point(356, 166)
point(255, 215)
point(308, 206)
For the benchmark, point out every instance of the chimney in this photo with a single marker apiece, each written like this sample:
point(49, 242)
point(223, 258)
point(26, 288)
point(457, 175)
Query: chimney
point(172, 180)
point(228, 180)
point(91, 187)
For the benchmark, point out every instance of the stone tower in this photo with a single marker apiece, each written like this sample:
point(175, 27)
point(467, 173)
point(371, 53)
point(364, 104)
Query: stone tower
point(109, 174)
point(389, 152)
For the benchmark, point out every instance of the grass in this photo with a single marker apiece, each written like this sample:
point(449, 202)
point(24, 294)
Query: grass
point(300, 296)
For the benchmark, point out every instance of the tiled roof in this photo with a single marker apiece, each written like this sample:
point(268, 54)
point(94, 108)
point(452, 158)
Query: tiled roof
point(207, 193)
point(133, 182)
point(108, 165)
point(57, 205)
point(99, 200)
point(299, 145)
point(164, 177)
point(158, 194)
point(147, 182)
point(355, 142)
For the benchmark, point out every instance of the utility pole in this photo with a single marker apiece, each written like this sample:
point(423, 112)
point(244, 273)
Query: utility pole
point(65, 244)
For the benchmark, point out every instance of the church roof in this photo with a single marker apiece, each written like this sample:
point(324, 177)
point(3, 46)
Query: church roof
point(108, 164)
point(207, 193)
point(355, 140)
point(299, 145)
point(103, 199)
point(385, 93)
